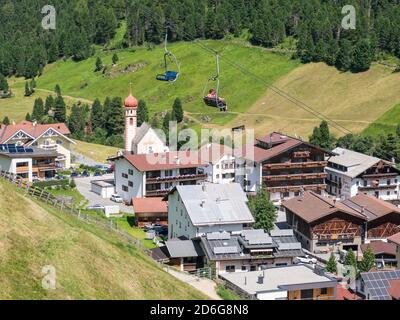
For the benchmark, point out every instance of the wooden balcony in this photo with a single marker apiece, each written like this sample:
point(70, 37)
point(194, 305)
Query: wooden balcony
point(301, 176)
point(377, 187)
point(156, 193)
point(44, 166)
point(380, 175)
point(295, 165)
point(22, 169)
point(187, 177)
point(310, 187)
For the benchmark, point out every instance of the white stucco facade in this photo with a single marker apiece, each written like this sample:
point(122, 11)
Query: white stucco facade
point(10, 165)
point(149, 143)
point(222, 171)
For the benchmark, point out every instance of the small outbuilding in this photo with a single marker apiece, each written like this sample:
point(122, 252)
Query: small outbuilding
point(104, 188)
point(150, 210)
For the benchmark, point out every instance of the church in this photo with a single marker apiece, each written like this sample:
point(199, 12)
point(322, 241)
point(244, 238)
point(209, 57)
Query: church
point(143, 139)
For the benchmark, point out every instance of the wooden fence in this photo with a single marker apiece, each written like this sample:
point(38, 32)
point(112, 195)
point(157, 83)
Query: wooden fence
point(68, 208)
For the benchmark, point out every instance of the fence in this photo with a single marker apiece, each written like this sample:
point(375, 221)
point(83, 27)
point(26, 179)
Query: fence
point(65, 207)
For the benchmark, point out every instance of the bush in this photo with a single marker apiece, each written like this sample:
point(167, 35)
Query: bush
point(226, 294)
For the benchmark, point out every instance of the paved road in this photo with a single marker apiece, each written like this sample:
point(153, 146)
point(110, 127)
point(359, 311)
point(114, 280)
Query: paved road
point(83, 186)
point(206, 286)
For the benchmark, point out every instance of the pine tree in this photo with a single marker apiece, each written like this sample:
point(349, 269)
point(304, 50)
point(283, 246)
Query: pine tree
point(368, 260)
point(165, 124)
point(177, 110)
point(115, 58)
point(57, 90)
point(3, 83)
point(142, 113)
point(362, 56)
point(263, 210)
point(350, 259)
point(99, 64)
point(344, 59)
point(6, 121)
point(60, 110)
point(38, 110)
point(97, 115)
point(155, 122)
point(115, 116)
point(49, 104)
point(28, 117)
point(77, 121)
point(321, 137)
point(33, 85)
point(28, 91)
point(331, 266)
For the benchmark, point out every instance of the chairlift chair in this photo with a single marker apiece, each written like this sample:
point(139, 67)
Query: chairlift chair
point(169, 57)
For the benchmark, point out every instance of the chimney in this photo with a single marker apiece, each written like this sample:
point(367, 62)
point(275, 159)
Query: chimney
point(202, 203)
point(261, 278)
point(34, 123)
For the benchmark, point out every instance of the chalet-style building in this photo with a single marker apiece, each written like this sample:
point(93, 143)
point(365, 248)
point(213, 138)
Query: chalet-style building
point(28, 163)
point(385, 253)
point(350, 173)
point(154, 175)
point(319, 222)
point(221, 163)
point(383, 217)
point(195, 210)
point(52, 137)
point(395, 239)
point(283, 165)
point(150, 210)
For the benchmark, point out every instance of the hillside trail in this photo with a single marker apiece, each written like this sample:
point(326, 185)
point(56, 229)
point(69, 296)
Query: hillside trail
point(68, 97)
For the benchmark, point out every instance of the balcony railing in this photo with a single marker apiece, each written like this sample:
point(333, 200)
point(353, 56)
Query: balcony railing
point(301, 176)
point(295, 165)
point(381, 186)
point(156, 193)
point(186, 177)
point(312, 187)
point(49, 147)
point(22, 169)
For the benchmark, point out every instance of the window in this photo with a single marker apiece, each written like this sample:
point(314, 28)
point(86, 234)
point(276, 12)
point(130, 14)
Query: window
point(217, 166)
point(286, 194)
point(388, 193)
point(150, 149)
point(130, 172)
point(124, 175)
point(131, 121)
point(125, 188)
point(244, 268)
point(230, 268)
point(324, 291)
point(217, 176)
point(59, 142)
point(388, 182)
point(130, 183)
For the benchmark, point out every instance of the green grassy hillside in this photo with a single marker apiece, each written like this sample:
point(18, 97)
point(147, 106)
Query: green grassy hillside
point(385, 124)
point(89, 263)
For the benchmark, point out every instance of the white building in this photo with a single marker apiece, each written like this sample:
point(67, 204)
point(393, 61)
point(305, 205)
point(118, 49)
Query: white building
point(221, 163)
point(196, 210)
point(53, 137)
point(154, 175)
point(350, 172)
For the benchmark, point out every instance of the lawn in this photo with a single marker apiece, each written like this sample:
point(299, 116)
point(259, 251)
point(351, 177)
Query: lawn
point(90, 263)
point(96, 152)
point(197, 65)
point(385, 124)
point(78, 199)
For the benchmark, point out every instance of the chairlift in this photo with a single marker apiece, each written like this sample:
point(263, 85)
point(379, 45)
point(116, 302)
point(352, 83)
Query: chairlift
point(212, 99)
point(169, 58)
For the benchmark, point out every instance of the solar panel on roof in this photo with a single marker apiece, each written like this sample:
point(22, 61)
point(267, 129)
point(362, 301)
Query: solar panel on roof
point(378, 283)
point(29, 150)
point(225, 250)
point(281, 232)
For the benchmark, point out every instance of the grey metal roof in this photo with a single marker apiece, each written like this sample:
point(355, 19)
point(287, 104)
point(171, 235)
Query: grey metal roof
point(183, 248)
point(355, 162)
point(215, 204)
point(281, 232)
point(279, 278)
point(257, 236)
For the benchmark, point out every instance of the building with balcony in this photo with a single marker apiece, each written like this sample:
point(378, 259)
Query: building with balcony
point(154, 175)
point(51, 137)
point(196, 210)
point(221, 163)
point(350, 172)
point(322, 223)
point(28, 163)
point(283, 165)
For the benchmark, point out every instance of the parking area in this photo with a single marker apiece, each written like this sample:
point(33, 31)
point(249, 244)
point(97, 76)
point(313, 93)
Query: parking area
point(84, 187)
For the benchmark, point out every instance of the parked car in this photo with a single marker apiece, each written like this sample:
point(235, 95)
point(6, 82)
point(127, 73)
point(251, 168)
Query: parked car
point(85, 174)
point(116, 198)
point(96, 207)
point(306, 259)
point(97, 174)
point(74, 174)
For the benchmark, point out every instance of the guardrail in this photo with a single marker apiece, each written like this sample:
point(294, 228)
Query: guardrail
point(46, 197)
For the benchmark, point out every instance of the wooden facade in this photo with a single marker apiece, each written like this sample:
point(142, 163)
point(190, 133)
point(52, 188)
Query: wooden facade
point(312, 294)
point(384, 226)
point(299, 168)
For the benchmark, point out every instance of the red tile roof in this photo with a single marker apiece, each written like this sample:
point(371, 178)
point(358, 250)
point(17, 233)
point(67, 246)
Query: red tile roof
point(34, 130)
point(342, 293)
point(146, 205)
point(164, 161)
point(380, 247)
point(395, 239)
point(394, 289)
point(311, 207)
